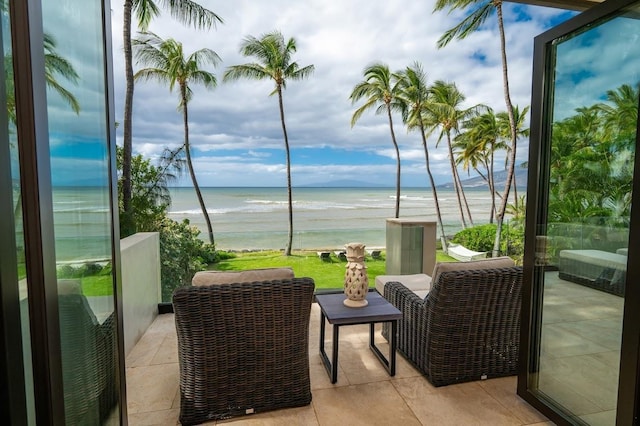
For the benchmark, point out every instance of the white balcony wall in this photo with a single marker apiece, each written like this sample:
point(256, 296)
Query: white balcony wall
point(140, 260)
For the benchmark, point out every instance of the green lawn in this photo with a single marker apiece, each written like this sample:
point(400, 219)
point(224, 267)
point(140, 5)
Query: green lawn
point(326, 274)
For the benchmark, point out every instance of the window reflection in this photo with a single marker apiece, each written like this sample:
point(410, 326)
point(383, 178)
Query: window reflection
point(81, 202)
point(583, 245)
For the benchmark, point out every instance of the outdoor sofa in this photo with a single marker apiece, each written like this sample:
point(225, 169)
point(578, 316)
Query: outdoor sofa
point(462, 325)
point(243, 345)
point(598, 269)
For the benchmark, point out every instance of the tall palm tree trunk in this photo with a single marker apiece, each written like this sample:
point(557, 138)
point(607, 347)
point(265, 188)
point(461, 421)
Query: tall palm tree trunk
point(454, 174)
point(128, 111)
point(187, 150)
point(492, 187)
point(464, 198)
point(443, 238)
point(395, 146)
point(287, 251)
point(512, 124)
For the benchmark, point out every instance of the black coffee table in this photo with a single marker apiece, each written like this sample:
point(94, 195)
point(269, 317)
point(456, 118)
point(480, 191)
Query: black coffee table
point(378, 310)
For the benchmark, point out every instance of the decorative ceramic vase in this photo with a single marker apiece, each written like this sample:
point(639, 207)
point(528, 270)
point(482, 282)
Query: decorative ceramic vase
point(356, 282)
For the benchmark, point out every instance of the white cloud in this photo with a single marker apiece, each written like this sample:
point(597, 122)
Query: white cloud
point(339, 38)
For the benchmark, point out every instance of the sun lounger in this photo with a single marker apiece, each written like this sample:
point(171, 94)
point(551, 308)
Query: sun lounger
point(341, 254)
point(463, 254)
point(324, 255)
point(374, 253)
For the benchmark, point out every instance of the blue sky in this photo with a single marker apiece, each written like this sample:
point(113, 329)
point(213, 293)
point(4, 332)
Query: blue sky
point(235, 129)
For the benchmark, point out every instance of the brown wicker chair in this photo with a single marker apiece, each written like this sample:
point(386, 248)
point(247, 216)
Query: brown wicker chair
point(243, 347)
point(467, 328)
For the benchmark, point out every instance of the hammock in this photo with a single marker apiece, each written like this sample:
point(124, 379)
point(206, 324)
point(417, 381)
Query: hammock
point(463, 254)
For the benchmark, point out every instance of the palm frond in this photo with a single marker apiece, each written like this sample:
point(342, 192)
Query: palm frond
point(468, 25)
point(191, 13)
point(145, 11)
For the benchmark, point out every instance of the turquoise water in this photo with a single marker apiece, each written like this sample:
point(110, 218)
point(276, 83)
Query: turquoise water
point(256, 218)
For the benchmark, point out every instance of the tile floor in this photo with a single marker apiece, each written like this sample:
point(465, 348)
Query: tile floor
point(363, 395)
point(580, 353)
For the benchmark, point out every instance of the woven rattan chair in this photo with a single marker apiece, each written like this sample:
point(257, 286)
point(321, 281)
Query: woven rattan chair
point(88, 350)
point(243, 348)
point(467, 328)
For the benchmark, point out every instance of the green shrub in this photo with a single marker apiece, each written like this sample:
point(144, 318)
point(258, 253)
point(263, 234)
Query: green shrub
point(478, 238)
point(182, 254)
point(482, 238)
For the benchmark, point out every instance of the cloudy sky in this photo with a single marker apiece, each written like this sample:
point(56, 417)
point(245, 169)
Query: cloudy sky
point(235, 129)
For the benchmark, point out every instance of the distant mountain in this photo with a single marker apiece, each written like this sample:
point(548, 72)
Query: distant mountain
point(472, 184)
point(477, 183)
point(344, 183)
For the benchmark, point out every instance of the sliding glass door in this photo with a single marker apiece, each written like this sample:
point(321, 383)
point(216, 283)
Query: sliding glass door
point(579, 216)
point(60, 330)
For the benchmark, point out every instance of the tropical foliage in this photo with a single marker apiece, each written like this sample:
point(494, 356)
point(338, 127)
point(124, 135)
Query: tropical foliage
point(273, 54)
point(186, 12)
point(168, 64)
point(380, 89)
point(413, 93)
point(592, 153)
point(482, 237)
point(182, 253)
point(446, 113)
point(477, 12)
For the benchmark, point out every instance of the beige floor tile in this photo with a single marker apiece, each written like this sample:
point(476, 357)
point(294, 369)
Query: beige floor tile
point(152, 388)
point(144, 351)
point(299, 416)
point(164, 323)
point(167, 352)
point(603, 418)
point(504, 391)
point(367, 404)
point(156, 418)
point(559, 342)
point(566, 395)
point(463, 404)
point(605, 332)
point(320, 378)
point(590, 378)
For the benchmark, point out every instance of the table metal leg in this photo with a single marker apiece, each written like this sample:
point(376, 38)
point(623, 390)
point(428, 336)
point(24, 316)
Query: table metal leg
point(392, 347)
point(330, 366)
point(389, 364)
point(334, 366)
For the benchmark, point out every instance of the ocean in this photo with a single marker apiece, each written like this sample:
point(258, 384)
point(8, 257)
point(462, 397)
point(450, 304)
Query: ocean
point(323, 218)
point(256, 218)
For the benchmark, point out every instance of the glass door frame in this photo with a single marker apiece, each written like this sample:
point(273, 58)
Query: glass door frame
point(35, 174)
point(537, 201)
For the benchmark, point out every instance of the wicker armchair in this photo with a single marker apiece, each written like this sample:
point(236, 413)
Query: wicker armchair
point(243, 347)
point(89, 358)
point(467, 328)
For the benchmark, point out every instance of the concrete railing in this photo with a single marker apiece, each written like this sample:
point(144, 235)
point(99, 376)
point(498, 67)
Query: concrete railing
point(140, 260)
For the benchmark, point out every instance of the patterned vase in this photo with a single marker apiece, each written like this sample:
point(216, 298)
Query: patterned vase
point(356, 282)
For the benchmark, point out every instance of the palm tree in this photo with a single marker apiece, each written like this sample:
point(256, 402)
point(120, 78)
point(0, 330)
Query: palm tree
point(274, 63)
point(167, 64)
point(55, 67)
point(380, 87)
point(413, 91)
point(479, 11)
point(186, 12)
point(445, 112)
point(476, 147)
point(505, 132)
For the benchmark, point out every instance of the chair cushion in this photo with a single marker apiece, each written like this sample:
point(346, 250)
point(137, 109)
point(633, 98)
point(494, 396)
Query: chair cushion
point(414, 282)
point(251, 275)
point(492, 263)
